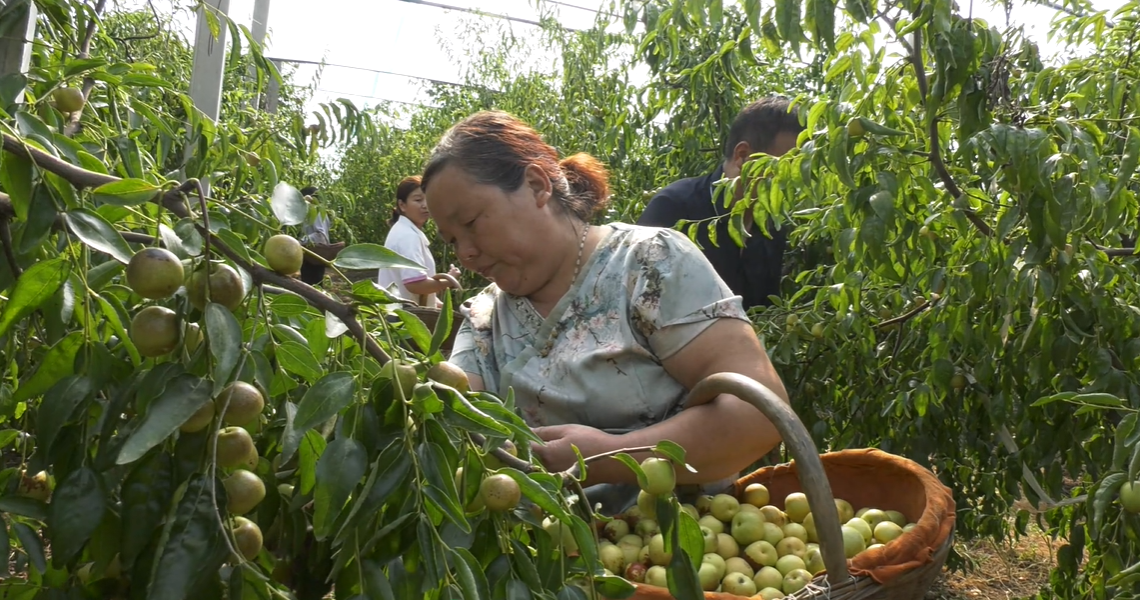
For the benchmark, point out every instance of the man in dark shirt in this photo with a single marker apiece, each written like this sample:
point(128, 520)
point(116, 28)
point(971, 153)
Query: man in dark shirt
point(753, 271)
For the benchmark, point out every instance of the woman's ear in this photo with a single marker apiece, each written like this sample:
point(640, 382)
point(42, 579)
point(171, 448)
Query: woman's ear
point(535, 179)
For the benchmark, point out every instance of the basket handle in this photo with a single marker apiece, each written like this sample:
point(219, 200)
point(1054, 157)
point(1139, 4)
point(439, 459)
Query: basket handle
point(811, 474)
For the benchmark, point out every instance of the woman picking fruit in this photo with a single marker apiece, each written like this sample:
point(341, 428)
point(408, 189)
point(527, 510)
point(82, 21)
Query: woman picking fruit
point(406, 238)
point(599, 330)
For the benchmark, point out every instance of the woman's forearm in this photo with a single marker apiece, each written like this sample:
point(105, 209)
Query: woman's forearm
point(720, 439)
point(426, 286)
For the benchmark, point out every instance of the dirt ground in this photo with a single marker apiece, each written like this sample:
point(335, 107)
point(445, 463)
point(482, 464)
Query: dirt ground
point(1017, 569)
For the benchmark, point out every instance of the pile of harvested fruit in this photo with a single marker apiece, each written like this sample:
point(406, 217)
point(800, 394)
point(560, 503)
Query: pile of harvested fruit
point(752, 548)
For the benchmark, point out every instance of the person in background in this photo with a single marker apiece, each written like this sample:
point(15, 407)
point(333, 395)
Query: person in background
point(406, 238)
point(766, 126)
point(599, 330)
point(315, 237)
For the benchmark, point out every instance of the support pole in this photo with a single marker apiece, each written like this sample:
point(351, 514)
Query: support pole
point(259, 29)
point(274, 90)
point(209, 67)
point(16, 46)
point(209, 59)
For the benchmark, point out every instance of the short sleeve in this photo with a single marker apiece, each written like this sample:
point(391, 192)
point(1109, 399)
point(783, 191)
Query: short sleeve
point(676, 293)
point(410, 248)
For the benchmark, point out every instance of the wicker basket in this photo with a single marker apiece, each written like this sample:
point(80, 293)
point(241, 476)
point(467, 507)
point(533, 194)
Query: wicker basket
point(857, 476)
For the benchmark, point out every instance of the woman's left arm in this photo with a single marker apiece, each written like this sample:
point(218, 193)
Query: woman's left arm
point(720, 438)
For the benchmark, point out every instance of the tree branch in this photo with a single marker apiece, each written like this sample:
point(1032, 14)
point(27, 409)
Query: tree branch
point(173, 201)
point(935, 145)
point(82, 178)
point(6, 241)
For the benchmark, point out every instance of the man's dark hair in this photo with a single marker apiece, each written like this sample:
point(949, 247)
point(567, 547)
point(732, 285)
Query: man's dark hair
point(309, 191)
point(760, 122)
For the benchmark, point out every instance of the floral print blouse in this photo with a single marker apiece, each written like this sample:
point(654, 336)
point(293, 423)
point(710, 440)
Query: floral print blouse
point(642, 295)
point(596, 359)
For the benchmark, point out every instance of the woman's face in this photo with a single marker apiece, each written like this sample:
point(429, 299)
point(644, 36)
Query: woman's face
point(415, 208)
point(496, 233)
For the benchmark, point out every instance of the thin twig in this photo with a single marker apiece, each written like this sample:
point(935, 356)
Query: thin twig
point(205, 224)
point(903, 318)
point(573, 472)
point(505, 457)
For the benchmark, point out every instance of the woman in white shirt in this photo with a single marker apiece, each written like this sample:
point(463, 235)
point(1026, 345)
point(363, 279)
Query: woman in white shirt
point(406, 238)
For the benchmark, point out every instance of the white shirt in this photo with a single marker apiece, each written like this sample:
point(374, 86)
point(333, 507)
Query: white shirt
point(408, 241)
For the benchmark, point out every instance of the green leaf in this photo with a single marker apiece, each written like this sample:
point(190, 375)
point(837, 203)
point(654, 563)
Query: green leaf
point(32, 544)
point(416, 329)
point(691, 538)
point(191, 547)
point(674, 452)
point(883, 203)
point(467, 415)
point(1098, 399)
point(143, 80)
point(299, 360)
point(614, 587)
point(97, 233)
point(373, 581)
point(1054, 398)
point(312, 448)
point(288, 305)
point(76, 66)
point(1106, 492)
point(183, 396)
point(58, 406)
point(59, 362)
point(584, 536)
point(77, 506)
point(16, 174)
point(102, 274)
point(537, 494)
point(288, 204)
point(1125, 439)
point(441, 483)
point(386, 474)
point(224, 334)
point(682, 575)
point(36, 286)
point(41, 218)
point(27, 507)
point(341, 467)
point(368, 291)
point(443, 323)
point(634, 466)
point(372, 256)
point(126, 192)
point(326, 398)
point(1128, 162)
point(145, 494)
point(469, 574)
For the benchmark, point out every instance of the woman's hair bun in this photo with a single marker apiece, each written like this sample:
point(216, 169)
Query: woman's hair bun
point(589, 183)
